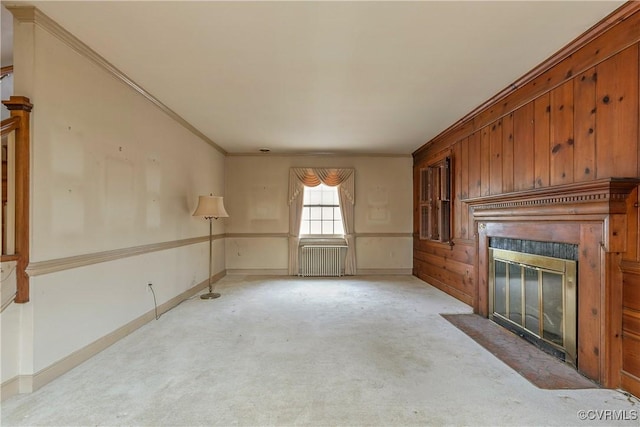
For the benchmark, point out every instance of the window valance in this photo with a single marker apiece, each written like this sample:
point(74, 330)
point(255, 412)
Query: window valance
point(312, 177)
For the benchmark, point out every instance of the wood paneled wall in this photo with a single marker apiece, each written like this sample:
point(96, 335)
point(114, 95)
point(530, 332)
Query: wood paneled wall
point(574, 121)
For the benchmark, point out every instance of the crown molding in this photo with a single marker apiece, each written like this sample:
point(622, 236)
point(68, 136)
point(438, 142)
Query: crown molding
point(31, 14)
point(323, 155)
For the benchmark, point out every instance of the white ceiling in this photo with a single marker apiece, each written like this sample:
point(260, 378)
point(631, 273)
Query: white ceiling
point(358, 77)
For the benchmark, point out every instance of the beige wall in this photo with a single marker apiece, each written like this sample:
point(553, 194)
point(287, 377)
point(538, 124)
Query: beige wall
point(257, 189)
point(110, 171)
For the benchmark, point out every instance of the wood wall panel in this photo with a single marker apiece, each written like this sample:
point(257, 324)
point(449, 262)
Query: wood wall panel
point(542, 122)
point(447, 268)
point(485, 161)
point(523, 159)
point(456, 174)
point(631, 324)
point(631, 291)
point(462, 253)
point(584, 160)
point(575, 121)
point(561, 135)
point(614, 33)
point(631, 357)
point(473, 164)
point(464, 192)
point(507, 153)
point(495, 167)
point(617, 115)
point(633, 227)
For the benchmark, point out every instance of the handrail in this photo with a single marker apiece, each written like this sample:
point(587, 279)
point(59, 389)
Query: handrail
point(5, 71)
point(9, 125)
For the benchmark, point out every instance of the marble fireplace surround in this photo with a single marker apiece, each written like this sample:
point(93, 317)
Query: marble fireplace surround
point(591, 215)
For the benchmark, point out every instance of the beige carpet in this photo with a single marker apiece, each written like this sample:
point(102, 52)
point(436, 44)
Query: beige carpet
point(365, 351)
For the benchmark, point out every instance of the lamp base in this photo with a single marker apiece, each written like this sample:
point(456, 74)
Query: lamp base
point(210, 295)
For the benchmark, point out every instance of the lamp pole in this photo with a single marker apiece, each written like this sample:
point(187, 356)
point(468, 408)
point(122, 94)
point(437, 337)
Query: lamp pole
point(211, 294)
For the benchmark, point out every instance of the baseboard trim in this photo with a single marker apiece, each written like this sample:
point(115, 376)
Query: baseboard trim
point(630, 383)
point(384, 271)
point(467, 299)
point(10, 387)
point(31, 383)
point(257, 272)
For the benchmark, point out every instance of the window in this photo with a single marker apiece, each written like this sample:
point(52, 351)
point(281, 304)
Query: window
point(321, 211)
point(435, 201)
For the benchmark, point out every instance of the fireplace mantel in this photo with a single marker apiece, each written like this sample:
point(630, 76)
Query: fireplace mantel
point(591, 215)
point(603, 196)
point(601, 200)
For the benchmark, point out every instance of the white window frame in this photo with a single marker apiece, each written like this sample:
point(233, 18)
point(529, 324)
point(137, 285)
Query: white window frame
point(319, 237)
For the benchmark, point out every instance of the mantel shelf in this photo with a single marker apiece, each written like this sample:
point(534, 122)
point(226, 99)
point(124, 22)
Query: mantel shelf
point(609, 194)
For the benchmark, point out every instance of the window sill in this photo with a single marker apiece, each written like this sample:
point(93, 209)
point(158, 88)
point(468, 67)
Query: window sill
point(322, 240)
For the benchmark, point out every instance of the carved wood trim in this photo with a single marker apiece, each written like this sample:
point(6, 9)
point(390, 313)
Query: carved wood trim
point(606, 196)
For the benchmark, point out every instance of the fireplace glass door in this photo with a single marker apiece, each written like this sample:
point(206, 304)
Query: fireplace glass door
point(535, 296)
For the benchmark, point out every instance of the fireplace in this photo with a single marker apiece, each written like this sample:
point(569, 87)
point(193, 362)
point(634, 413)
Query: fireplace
point(536, 297)
point(591, 217)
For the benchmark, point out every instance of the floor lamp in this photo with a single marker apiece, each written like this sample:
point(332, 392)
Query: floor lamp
point(210, 207)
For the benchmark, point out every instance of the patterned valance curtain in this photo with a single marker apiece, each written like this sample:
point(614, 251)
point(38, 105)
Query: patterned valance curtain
point(312, 177)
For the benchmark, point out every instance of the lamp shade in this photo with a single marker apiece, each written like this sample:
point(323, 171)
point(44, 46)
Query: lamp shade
point(210, 207)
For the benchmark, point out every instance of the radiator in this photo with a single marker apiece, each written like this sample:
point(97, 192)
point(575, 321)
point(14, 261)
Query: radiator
point(322, 260)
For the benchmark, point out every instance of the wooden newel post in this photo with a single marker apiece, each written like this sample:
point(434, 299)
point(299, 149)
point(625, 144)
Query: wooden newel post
point(20, 106)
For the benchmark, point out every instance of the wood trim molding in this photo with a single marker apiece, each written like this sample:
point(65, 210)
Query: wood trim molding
point(9, 125)
point(5, 71)
point(384, 272)
point(34, 15)
point(605, 196)
point(51, 266)
point(582, 53)
point(630, 382)
point(31, 383)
